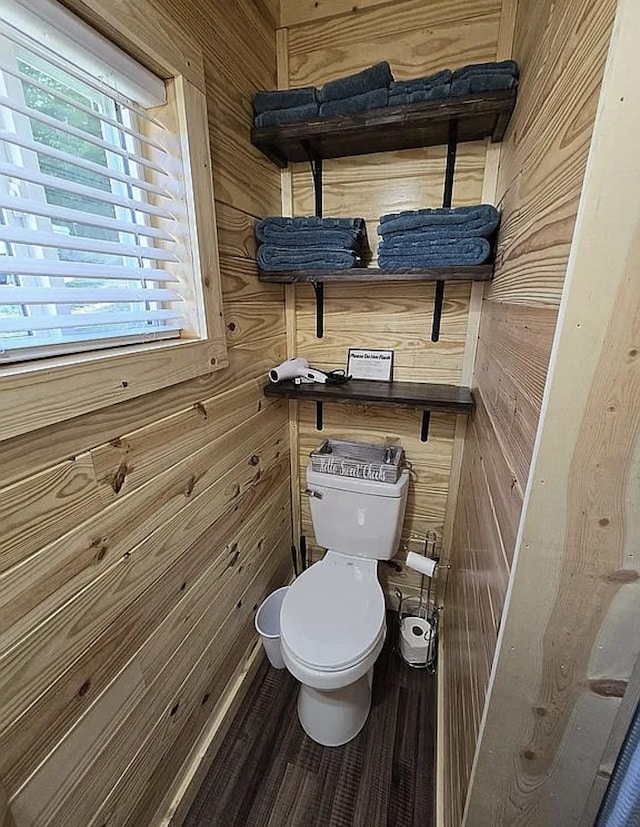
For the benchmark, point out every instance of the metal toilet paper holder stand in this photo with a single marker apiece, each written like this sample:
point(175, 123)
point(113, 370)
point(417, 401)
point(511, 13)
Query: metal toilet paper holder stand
point(420, 607)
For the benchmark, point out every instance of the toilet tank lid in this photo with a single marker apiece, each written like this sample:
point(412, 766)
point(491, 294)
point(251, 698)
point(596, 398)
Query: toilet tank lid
point(317, 479)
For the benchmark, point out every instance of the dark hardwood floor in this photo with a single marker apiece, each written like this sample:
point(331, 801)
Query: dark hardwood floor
point(268, 773)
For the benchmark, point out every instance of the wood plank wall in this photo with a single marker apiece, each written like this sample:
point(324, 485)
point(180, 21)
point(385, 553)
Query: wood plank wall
point(137, 540)
point(569, 650)
point(327, 40)
point(561, 49)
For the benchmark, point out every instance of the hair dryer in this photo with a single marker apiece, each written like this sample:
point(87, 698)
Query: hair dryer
point(297, 369)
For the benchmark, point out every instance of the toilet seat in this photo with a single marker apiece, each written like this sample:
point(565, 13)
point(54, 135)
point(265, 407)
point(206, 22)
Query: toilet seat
point(333, 615)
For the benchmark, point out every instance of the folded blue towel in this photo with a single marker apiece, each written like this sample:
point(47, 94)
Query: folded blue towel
point(406, 87)
point(452, 222)
point(507, 67)
point(418, 244)
point(284, 99)
point(431, 94)
point(375, 77)
point(303, 222)
point(376, 99)
point(473, 84)
point(309, 258)
point(278, 117)
point(436, 254)
point(299, 239)
point(334, 233)
point(423, 237)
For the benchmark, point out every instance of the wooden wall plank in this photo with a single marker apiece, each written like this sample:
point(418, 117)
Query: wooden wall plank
point(36, 511)
point(34, 735)
point(286, 186)
point(235, 231)
point(252, 543)
point(135, 458)
point(253, 321)
point(6, 818)
point(561, 50)
point(448, 744)
point(408, 52)
point(386, 314)
point(471, 617)
point(312, 11)
point(50, 445)
point(293, 14)
point(252, 183)
point(551, 134)
point(66, 765)
point(24, 389)
point(128, 574)
point(240, 282)
point(188, 778)
point(43, 583)
point(412, 353)
point(549, 717)
point(514, 344)
point(502, 484)
point(396, 34)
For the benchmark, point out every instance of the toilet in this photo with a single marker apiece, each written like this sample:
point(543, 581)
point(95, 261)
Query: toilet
point(332, 622)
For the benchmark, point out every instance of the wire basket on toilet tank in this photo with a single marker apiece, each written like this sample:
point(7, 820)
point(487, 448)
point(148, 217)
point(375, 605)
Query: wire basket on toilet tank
point(360, 460)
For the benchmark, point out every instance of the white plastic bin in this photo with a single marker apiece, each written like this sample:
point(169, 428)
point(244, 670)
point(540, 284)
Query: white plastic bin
point(268, 626)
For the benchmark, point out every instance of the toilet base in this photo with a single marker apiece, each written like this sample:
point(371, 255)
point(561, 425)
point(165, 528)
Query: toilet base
point(334, 718)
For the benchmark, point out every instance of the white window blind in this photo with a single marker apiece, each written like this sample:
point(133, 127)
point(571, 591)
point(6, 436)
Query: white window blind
point(86, 250)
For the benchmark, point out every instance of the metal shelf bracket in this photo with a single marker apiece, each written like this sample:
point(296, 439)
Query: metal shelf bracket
point(318, 288)
point(452, 148)
point(424, 428)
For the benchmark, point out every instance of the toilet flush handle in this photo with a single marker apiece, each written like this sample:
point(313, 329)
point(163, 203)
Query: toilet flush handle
point(311, 493)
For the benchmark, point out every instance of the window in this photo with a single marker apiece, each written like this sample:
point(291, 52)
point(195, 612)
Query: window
point(107, 223)
point(81, 254)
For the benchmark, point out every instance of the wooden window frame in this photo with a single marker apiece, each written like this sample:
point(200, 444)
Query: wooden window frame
point(44, 391)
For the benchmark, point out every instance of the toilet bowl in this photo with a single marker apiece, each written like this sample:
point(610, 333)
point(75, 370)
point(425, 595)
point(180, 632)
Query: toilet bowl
point(332, 629)
point(332, 621)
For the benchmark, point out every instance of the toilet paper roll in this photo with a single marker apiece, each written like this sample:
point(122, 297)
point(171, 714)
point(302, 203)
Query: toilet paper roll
point(425, 565)
point(415, 637)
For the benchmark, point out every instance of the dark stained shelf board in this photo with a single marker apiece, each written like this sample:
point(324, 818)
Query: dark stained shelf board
point(385, 130)
point(483, 272)
point(421, 395)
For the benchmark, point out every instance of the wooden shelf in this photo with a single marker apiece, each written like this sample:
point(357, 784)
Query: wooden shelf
point(385, 130)
point(420, 395)
point(482, 272)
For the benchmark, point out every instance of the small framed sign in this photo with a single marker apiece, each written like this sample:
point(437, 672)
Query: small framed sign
point(370, 364)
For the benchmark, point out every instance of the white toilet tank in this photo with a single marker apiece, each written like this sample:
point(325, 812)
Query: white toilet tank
point(357, 517)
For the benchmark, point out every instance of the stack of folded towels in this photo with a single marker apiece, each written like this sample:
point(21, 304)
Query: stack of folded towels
point(428, 88)
point(368, 89)
point(375, 88)
point(474, 78)
point(285, 106)
point(311, 243)
point(365, 90)
point(437, 238)
point(484, 77)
